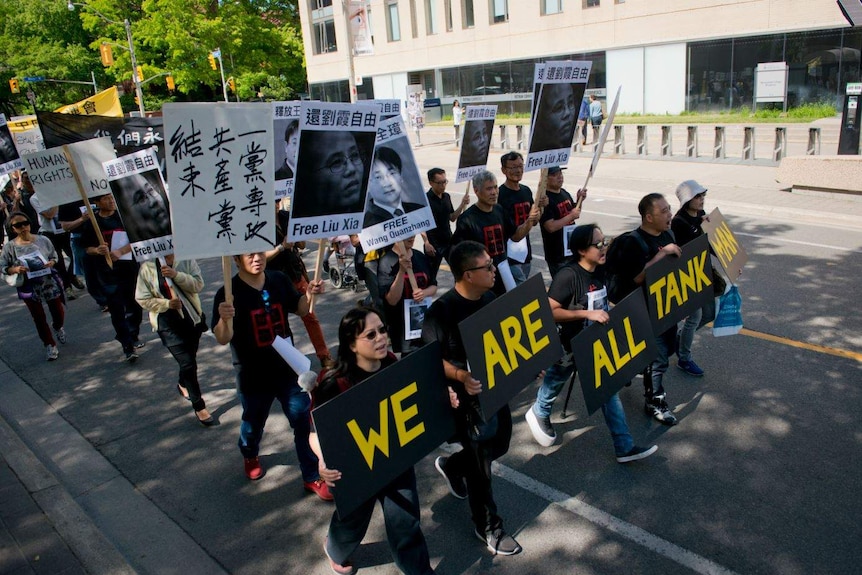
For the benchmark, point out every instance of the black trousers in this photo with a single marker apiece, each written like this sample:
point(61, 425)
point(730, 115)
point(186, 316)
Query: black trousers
point(63, 245)
point(182, 339)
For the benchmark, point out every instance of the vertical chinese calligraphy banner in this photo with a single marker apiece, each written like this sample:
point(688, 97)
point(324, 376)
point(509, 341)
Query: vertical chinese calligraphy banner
point(52, 176)
point(556, 113)
point(477, 141)
point(285, 121)
point(142, 201)
point(336, 142)
point(220, 175)
point(397, 207)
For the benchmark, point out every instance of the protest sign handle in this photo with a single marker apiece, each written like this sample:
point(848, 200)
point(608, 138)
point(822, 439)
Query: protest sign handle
point(321, 249)
point(228, 285)
point(170, 283)
point(541, 190)
point(400, 250)
point(84, 197)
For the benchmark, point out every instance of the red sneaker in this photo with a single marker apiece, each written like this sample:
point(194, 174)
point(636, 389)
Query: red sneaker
point(319, 488)
point(253, 469)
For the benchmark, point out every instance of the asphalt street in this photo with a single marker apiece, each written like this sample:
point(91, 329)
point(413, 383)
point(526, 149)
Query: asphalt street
point(760, 475)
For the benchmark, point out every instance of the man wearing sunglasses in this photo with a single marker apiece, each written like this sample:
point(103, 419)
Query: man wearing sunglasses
point(261, 302)
point(468, 472)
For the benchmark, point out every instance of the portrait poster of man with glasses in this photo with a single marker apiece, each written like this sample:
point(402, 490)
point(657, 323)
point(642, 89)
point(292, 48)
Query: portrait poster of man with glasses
point(9, 158)
point(336, 142)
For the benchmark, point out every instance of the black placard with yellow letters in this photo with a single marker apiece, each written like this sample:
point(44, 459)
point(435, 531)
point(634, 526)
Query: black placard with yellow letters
point(730, 253)
point(608, 356)
point(509, 341)
point(375, 431)
point(677, 286)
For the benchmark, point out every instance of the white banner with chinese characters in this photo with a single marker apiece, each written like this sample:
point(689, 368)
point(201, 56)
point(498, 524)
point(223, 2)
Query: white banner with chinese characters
point(476, 142)
point(52, 176)
point(220, 176)
point(336, 142)
point(285, 132)
point(389, 108)
point(397, 207)
point(555, 113)
point(142, 201)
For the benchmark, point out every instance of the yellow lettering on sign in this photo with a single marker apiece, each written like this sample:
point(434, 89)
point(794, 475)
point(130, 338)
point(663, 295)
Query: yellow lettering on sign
point(601, 361)
point(700, 270)
point(613, 362)
point(724, 244)
point(402, 415)
point(674, 289)
point(513, 330)
point(655, 290)
point(494, 356)
point(374, 440)
point(533, 327)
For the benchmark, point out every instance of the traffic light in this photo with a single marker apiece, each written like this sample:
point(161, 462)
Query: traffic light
point(106, 54)
point(13, 85)
point(212, 61)
point(231, 83)
point(171, 85)
point(140, 72)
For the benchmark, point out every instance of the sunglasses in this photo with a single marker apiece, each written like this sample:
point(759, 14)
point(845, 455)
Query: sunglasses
point(489, 267)
point(372, 335)
point(601, 244)
point(19, 225)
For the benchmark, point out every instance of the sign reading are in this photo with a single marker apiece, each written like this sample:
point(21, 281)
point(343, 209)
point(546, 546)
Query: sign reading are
point(675, 287)
point(608, 356)
point(731, 255)
point(509, 341)
point(375, 431)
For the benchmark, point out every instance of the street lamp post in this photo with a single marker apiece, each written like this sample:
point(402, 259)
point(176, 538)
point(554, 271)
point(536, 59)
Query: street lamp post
point(128, 26)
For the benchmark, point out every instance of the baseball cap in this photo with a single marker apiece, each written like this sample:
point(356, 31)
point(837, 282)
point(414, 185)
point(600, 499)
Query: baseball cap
point(555, 170)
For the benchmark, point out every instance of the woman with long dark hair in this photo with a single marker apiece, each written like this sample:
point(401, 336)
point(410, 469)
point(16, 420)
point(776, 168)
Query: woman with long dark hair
point(362, 352)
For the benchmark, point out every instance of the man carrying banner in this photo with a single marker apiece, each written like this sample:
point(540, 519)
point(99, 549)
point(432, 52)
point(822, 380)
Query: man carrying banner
point(559, 213)
point(438, 241)
point(578, 297)
point(261, 302)
point(517, 202)
point(627, 264)
point(118, 281)
point(486, 222)
point(483, 437)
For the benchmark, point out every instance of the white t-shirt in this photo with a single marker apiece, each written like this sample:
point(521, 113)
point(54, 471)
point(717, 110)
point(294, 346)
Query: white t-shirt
point(456, 115)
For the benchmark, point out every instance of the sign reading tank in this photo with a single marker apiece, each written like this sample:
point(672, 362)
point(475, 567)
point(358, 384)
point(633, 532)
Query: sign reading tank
point(39, 169)
point(399, 229)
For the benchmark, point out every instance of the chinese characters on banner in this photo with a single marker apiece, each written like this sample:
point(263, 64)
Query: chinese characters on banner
point(52, 176)
point(9, 158)
point(389, 108)
point(220, 167)
point(285, 121)
point(25, 131)
point(556, 113)
point(396, 207)
point(477, 141)
point(139, 191)
point(336, 142)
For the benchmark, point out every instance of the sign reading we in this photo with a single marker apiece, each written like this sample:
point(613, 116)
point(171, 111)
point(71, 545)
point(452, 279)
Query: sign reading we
point(608, 356)
point(731, 255)
point(509, 341)
point(675, 287)
point(375, 431)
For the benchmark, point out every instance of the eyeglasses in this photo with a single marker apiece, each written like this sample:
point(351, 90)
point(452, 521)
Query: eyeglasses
point(19, 225)
point(264, 295)
point(339, 164)
point(602, 243)
point(489, 267)
point(440, 183)
point(516, 168)
point(372, 334)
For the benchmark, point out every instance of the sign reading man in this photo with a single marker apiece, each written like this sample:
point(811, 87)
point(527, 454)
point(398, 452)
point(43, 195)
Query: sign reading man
point(731, 255)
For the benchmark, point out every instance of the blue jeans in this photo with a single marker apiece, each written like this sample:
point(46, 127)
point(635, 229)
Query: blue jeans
point(520, 272)
point(686, 334)
point(653, 388)
point(296, 405)
point(615, 418)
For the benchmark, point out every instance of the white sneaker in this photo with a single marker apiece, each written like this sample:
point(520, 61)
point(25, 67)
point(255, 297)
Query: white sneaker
point(52, 352)
point(60, 334)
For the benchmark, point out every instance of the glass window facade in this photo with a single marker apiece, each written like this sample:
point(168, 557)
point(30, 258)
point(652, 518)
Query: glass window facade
point(721, 73)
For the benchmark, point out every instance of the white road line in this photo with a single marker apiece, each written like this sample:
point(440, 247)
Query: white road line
point(801, 243)
point(598, 517)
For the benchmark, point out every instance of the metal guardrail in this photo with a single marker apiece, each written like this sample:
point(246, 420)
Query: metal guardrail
point(642, 148)
point(748, 143)
point(691, 142)
point(619, 140)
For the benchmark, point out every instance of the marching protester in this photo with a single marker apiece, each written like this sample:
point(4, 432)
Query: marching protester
point(438, 240)
point(395, 289)
point(117, 281)
point(49, 224)
point(178, 321)
point(30, 258)
point(559, 213)
point(362, 352)
point(686, 226)
point(468, 472)
point(261, 301)
point(578, 297)
point(486, 222)
point(517, 202)
point(636, 251)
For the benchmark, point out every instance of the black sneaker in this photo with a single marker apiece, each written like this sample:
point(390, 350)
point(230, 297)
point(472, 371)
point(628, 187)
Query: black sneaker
point(499, 542)
point(457, 486)
point(543, 431)
point(131, 356)
point(635, 453)
point(139, 344)
point(660, 412)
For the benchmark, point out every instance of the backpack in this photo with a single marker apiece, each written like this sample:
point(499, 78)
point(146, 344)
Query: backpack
point(617, 279)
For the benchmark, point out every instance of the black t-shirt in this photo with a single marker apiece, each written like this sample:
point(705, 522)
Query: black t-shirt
point(490, 229)
point(255, 327)
point(289, 261)
point(632, 257)
point(570, 289)
point(332, 386)
point(387, 273)
point(516, 205)
point(686, 228)
point(560, 205)
point(122, 269)
point(441, 208)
